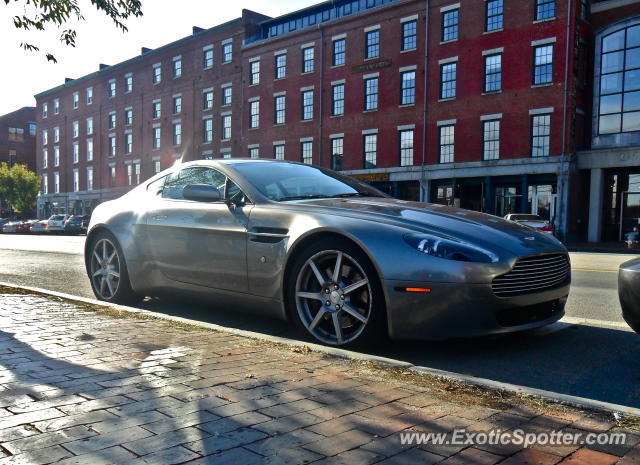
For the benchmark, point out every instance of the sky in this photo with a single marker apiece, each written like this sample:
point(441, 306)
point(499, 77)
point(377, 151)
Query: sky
point(25, 74)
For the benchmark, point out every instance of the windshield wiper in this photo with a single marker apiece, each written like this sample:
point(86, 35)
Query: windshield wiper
point(302, 197)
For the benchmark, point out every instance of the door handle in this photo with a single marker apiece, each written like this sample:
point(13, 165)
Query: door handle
point(160, 217)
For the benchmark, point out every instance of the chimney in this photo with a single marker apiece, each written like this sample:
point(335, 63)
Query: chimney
point(145, 50)
point(103, 66)
point(196, 30)
point(68, 80)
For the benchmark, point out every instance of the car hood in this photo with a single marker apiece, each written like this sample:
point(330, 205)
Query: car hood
point(477, 228)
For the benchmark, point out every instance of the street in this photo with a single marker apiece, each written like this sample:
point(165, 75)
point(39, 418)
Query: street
point(591, 353)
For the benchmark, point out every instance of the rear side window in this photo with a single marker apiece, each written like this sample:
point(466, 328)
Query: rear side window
point(174, 184)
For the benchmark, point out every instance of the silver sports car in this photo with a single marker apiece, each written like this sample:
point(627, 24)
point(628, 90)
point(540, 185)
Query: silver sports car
point(341, 259)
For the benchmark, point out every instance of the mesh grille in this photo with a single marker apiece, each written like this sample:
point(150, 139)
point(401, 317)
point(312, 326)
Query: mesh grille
point(533, 274)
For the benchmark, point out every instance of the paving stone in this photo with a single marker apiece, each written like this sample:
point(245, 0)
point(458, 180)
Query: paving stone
point(275, 445)
point(102, 441)
point(172, 424)
point(339, 443)
point(44, 440)
point(532, 457)
point(171, 456)
point(473, 456)
point(590, 457)
point(238, 456)
point(111, 456)
point(148, 445)
point(214, 444)
point(413, 457)
point(37, 457)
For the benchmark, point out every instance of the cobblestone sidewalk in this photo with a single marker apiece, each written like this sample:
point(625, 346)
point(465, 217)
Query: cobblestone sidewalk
point(84, 387)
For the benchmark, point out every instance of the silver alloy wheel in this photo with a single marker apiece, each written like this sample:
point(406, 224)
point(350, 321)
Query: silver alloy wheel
point(105, 269)
point(333, 297)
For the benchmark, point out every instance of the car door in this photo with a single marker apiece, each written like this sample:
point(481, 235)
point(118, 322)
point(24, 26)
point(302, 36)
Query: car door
point(202, 243)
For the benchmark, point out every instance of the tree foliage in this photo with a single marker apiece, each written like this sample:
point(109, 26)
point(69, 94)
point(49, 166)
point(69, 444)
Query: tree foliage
point(19, 187)
point(40, 14)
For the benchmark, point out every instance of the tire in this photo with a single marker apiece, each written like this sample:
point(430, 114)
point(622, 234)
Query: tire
point(337, 306)
point(107, 270)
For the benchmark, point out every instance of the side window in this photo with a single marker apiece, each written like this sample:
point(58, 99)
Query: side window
point(234, 194)
point(195, 175)
point(155, 188)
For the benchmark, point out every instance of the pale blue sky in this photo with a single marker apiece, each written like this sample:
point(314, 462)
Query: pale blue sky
point(25, 74)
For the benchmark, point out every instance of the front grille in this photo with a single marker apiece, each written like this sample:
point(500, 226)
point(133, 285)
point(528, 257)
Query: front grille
point(533, 274)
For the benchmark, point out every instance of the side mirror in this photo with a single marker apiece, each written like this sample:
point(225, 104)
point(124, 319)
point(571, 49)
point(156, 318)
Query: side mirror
point(201, 193)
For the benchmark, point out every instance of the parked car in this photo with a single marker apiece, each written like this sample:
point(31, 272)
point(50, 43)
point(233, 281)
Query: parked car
point(11, 227)
point(56, 223)
point(629, 292)
point(39, 227)
point(344, 261)
point(76, 224)
point(3, 221)
point(533, 221)
point(24, 227)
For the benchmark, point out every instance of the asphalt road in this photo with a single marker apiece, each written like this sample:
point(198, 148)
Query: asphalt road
point(591, 353)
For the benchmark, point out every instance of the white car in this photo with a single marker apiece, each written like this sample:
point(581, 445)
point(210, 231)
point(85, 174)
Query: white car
point(56, 222)
point(533, 221)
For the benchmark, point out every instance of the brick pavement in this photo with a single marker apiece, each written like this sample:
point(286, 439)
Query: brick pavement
point(83, 387)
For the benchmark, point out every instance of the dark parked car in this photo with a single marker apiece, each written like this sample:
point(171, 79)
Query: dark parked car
point(76, 224)
point(629, 292)
point(341, 259)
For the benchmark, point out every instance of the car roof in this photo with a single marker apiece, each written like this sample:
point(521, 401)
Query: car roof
point(237, 161)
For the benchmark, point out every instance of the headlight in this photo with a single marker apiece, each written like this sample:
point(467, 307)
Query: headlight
point(449, 249)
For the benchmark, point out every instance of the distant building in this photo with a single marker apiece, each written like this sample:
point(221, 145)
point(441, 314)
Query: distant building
point(18, 137)
point(492, 105)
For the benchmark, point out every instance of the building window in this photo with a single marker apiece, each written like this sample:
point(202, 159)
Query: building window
point(112, 146)
point(494, 14)
point(128, 117)
point(112, 88)
point(112, 175)
point(545, 9)
point(177, 67)
point(32, 129)
point(16, 134)
point(56, 106)
point(89, 93)
point(254, 152)
point(129, 174)
point(76, 152)
point(254, 77)
point(128, 83)
point(225, 153)
point(227, 96)
point(177, 134)
point(208, 130)
point(45, 110)
point(337, 100)
point(89, 126)
point(254, 114)
point(56, 182)
point(226, 127)
point(372, 45)
point(45, 184)
point(45, 137)
point(371, 94)
point(447, 143)
point(370, 150)
point(337, 152)
point(409, 35)
point(112, 121)
point(76, 100)
point(543, 64)
point(450, 25)
point(406, 147)
point(280, 109)
point(177, 104)
point(408, 88)
point(278, 152)
point(45, 158)
point(89, 149)
point(227, 52)
point(207, 100)
point(281, 66)
point(540, 135)
point(491, 139)
point(448, 80)
point(156, 166)
point(157, 74)
point(157, 110)
point(493, 73)
point(207, 57)
point(56, 156)
point(56, 134)
point(90, 178)
point(128, 143)
point(76, 180)
point(157, 137)
point(307, 152)
point(339, 52)
point(619, 100)
point(307, 60)
point(307, 105)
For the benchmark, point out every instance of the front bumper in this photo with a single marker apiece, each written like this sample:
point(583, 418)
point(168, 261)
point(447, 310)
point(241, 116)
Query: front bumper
point(453, 310)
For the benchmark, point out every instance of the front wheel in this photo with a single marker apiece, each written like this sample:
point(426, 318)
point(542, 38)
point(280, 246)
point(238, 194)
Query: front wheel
point(335, 294)
point(108, 270)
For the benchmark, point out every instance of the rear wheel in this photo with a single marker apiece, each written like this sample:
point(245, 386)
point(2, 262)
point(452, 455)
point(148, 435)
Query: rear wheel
point(335, 294)
point(108, 270)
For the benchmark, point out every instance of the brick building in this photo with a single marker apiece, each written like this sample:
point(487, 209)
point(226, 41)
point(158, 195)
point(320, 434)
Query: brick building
point(18, 137)
point(502, 92)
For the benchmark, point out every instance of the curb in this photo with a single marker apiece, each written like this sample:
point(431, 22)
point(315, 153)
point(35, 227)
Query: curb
point(555, 397)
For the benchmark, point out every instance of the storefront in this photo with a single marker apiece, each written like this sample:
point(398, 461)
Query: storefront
point(621, 210)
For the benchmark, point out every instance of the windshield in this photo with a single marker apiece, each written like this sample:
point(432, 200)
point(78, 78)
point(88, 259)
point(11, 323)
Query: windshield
point(57, 218)
point(289, 181)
